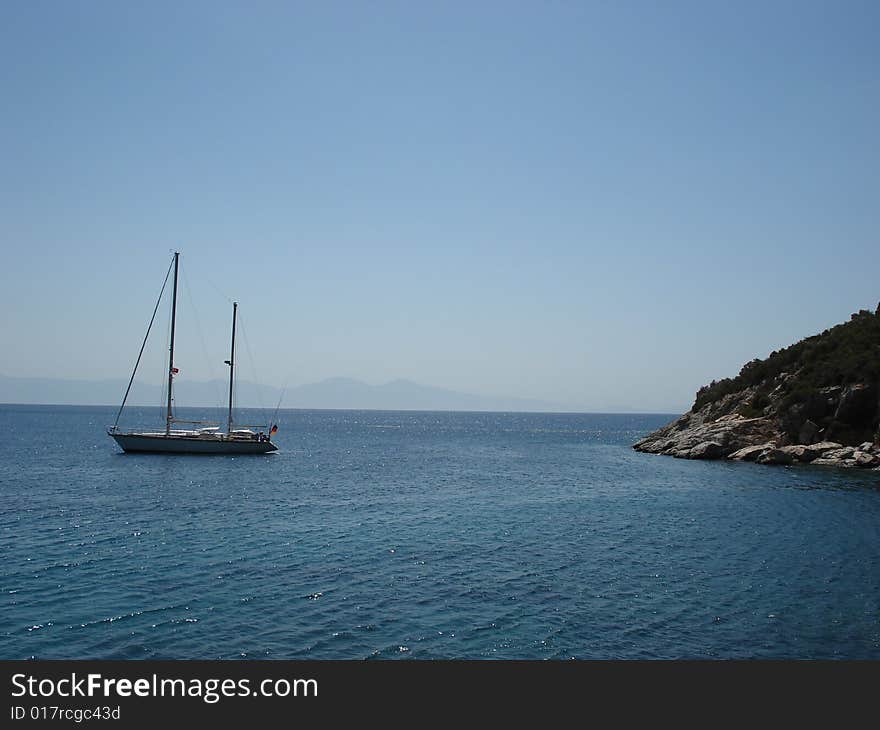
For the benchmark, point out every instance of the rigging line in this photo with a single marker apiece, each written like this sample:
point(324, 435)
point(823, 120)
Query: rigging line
point(253, 367)
point(218, 290)
point(280, 398)
point(143, 345)
point(213, 372)
point(277, 407)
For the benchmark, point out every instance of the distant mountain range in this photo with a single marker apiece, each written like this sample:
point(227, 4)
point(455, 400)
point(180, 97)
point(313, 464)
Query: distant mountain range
point(330, 393)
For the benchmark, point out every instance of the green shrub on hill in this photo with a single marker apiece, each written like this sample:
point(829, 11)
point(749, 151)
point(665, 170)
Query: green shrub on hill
point(845, 354)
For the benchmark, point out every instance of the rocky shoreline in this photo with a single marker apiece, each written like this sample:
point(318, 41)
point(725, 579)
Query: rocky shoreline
point(814, 402)
point(722, 439)
point(720, 431)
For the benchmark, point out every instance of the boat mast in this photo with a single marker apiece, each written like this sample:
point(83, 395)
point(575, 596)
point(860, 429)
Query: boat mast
point(231, 363)
point(169, 417)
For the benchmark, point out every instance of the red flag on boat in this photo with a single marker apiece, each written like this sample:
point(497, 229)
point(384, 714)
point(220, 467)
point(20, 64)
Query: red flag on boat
point(274, 429)
point(174, 371)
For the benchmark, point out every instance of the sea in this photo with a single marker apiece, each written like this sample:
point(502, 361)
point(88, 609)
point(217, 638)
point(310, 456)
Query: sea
point(417, 535)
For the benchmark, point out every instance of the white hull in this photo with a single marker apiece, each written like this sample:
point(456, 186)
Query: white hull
point(176, 444)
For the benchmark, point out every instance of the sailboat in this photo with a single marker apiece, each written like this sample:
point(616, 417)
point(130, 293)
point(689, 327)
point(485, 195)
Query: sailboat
point(205, 440)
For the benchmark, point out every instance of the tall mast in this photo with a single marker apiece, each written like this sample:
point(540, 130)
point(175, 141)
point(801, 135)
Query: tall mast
point(168, 416)
point(231, 363)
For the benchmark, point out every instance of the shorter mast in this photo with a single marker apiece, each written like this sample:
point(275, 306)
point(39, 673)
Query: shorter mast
point(169, 416)
point(231, 363)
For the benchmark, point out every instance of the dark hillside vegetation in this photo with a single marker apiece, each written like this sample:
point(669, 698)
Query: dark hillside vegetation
point(843, 355)
point(817, 401)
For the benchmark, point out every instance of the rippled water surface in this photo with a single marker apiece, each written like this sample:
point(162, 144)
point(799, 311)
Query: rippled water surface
point(427, 535)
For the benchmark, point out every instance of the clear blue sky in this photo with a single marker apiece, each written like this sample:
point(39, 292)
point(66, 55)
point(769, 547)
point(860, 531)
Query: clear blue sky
point(604, 205)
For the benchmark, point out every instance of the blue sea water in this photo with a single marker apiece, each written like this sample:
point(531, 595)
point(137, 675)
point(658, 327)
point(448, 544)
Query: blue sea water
point(426, 535)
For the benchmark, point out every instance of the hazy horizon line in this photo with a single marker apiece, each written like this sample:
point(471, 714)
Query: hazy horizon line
point(352, 394)
point(359, 410)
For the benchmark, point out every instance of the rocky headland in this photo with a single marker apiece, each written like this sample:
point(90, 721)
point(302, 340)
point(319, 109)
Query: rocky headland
point(817, 401)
